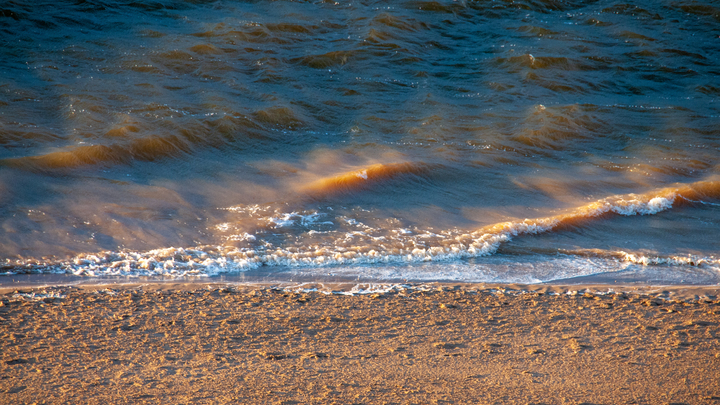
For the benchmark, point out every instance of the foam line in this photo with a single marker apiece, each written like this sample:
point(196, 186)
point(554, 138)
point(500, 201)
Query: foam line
point(450, 246)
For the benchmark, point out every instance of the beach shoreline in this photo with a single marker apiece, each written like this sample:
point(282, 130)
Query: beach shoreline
point(432, 343)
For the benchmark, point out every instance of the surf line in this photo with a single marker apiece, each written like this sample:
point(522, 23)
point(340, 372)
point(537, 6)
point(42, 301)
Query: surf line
point(208, 260)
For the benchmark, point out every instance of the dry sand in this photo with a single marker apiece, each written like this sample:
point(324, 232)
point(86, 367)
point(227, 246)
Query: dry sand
point(452, 344)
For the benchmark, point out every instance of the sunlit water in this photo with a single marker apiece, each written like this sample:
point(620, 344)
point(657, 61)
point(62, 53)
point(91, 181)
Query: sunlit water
point(505, 141)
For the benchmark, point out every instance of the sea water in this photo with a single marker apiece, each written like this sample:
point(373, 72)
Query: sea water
point(493, 141)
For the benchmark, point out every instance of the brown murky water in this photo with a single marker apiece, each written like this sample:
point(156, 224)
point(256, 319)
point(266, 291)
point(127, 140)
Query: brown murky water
point(461, 140)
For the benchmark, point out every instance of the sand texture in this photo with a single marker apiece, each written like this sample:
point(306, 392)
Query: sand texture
point(446, 345)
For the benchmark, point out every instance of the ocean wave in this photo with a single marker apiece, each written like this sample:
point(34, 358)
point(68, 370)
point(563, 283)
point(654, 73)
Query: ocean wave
point(366, 245)
point(645, 258)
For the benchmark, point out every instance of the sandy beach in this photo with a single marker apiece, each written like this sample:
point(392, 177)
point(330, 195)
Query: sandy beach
point(298, 202)
point(439, 344)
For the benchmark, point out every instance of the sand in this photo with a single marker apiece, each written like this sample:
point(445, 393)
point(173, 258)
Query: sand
point(451, 344)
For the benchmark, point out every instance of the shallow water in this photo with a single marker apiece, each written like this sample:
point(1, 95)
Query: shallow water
point(504, 141)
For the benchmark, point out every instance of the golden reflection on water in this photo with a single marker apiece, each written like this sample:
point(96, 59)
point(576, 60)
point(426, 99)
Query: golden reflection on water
point(356, 179)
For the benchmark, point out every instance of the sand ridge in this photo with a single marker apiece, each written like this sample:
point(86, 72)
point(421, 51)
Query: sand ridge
point(450, 344)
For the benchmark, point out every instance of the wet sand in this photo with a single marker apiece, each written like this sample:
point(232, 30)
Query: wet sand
point(448, 344)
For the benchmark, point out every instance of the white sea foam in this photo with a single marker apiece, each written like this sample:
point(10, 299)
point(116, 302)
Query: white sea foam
point(635, 207)
point(37, 296)
point(295, 218)
point(366, 245)
point(242, 237)
point(358, 289)
point(689, 260)
point(284, 220)
point(647, 259)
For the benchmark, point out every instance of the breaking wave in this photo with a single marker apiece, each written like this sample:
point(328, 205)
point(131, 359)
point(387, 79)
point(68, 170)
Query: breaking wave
point(368, 245)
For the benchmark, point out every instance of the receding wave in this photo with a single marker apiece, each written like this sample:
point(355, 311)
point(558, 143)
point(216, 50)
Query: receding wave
point(368, 245)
